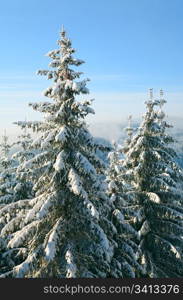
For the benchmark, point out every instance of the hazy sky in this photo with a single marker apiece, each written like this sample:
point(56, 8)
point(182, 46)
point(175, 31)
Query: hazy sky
point(129, 46)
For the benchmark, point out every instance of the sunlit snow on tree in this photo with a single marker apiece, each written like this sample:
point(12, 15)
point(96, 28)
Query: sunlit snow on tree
point(153, 173)
point(65, 230)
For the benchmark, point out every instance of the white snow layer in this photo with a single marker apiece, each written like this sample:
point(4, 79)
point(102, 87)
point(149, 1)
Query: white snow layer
point(45, 207)
point(21, 235)
point(62, 135)
point(24, 267)
point(60, 164)
point(92, 209)
point(71, 267)
point(50, 249)
point(108, 249)
point(118, 215)
point(153, 197)
point(46, 142)
point(76, 185)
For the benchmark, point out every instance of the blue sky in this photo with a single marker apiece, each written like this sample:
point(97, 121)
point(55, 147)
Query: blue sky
point(128, 45)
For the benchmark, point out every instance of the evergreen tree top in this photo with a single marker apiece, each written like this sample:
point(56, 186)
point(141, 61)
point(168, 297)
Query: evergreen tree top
point(63, 90)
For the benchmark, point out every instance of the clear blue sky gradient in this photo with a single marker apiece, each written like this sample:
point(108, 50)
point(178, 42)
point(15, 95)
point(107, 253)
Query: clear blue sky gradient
point(128, 45)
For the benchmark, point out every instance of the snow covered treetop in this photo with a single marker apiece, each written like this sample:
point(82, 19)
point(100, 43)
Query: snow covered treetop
point(65, 87)
point(129, 129)
point(154, 122)
point(153, 102)
point(61, 59)
point(65, 108)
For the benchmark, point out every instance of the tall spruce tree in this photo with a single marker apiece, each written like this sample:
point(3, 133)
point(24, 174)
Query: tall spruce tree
point(125, 260)
point(65, 231)
point(153, 173)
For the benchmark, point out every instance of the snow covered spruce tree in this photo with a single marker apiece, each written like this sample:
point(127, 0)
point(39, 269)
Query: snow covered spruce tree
point(7, 167)
point(155, 177)
point(125, 259)
point(13, 184)
point(24, 141)
point(24, 187)
point(65, 230)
